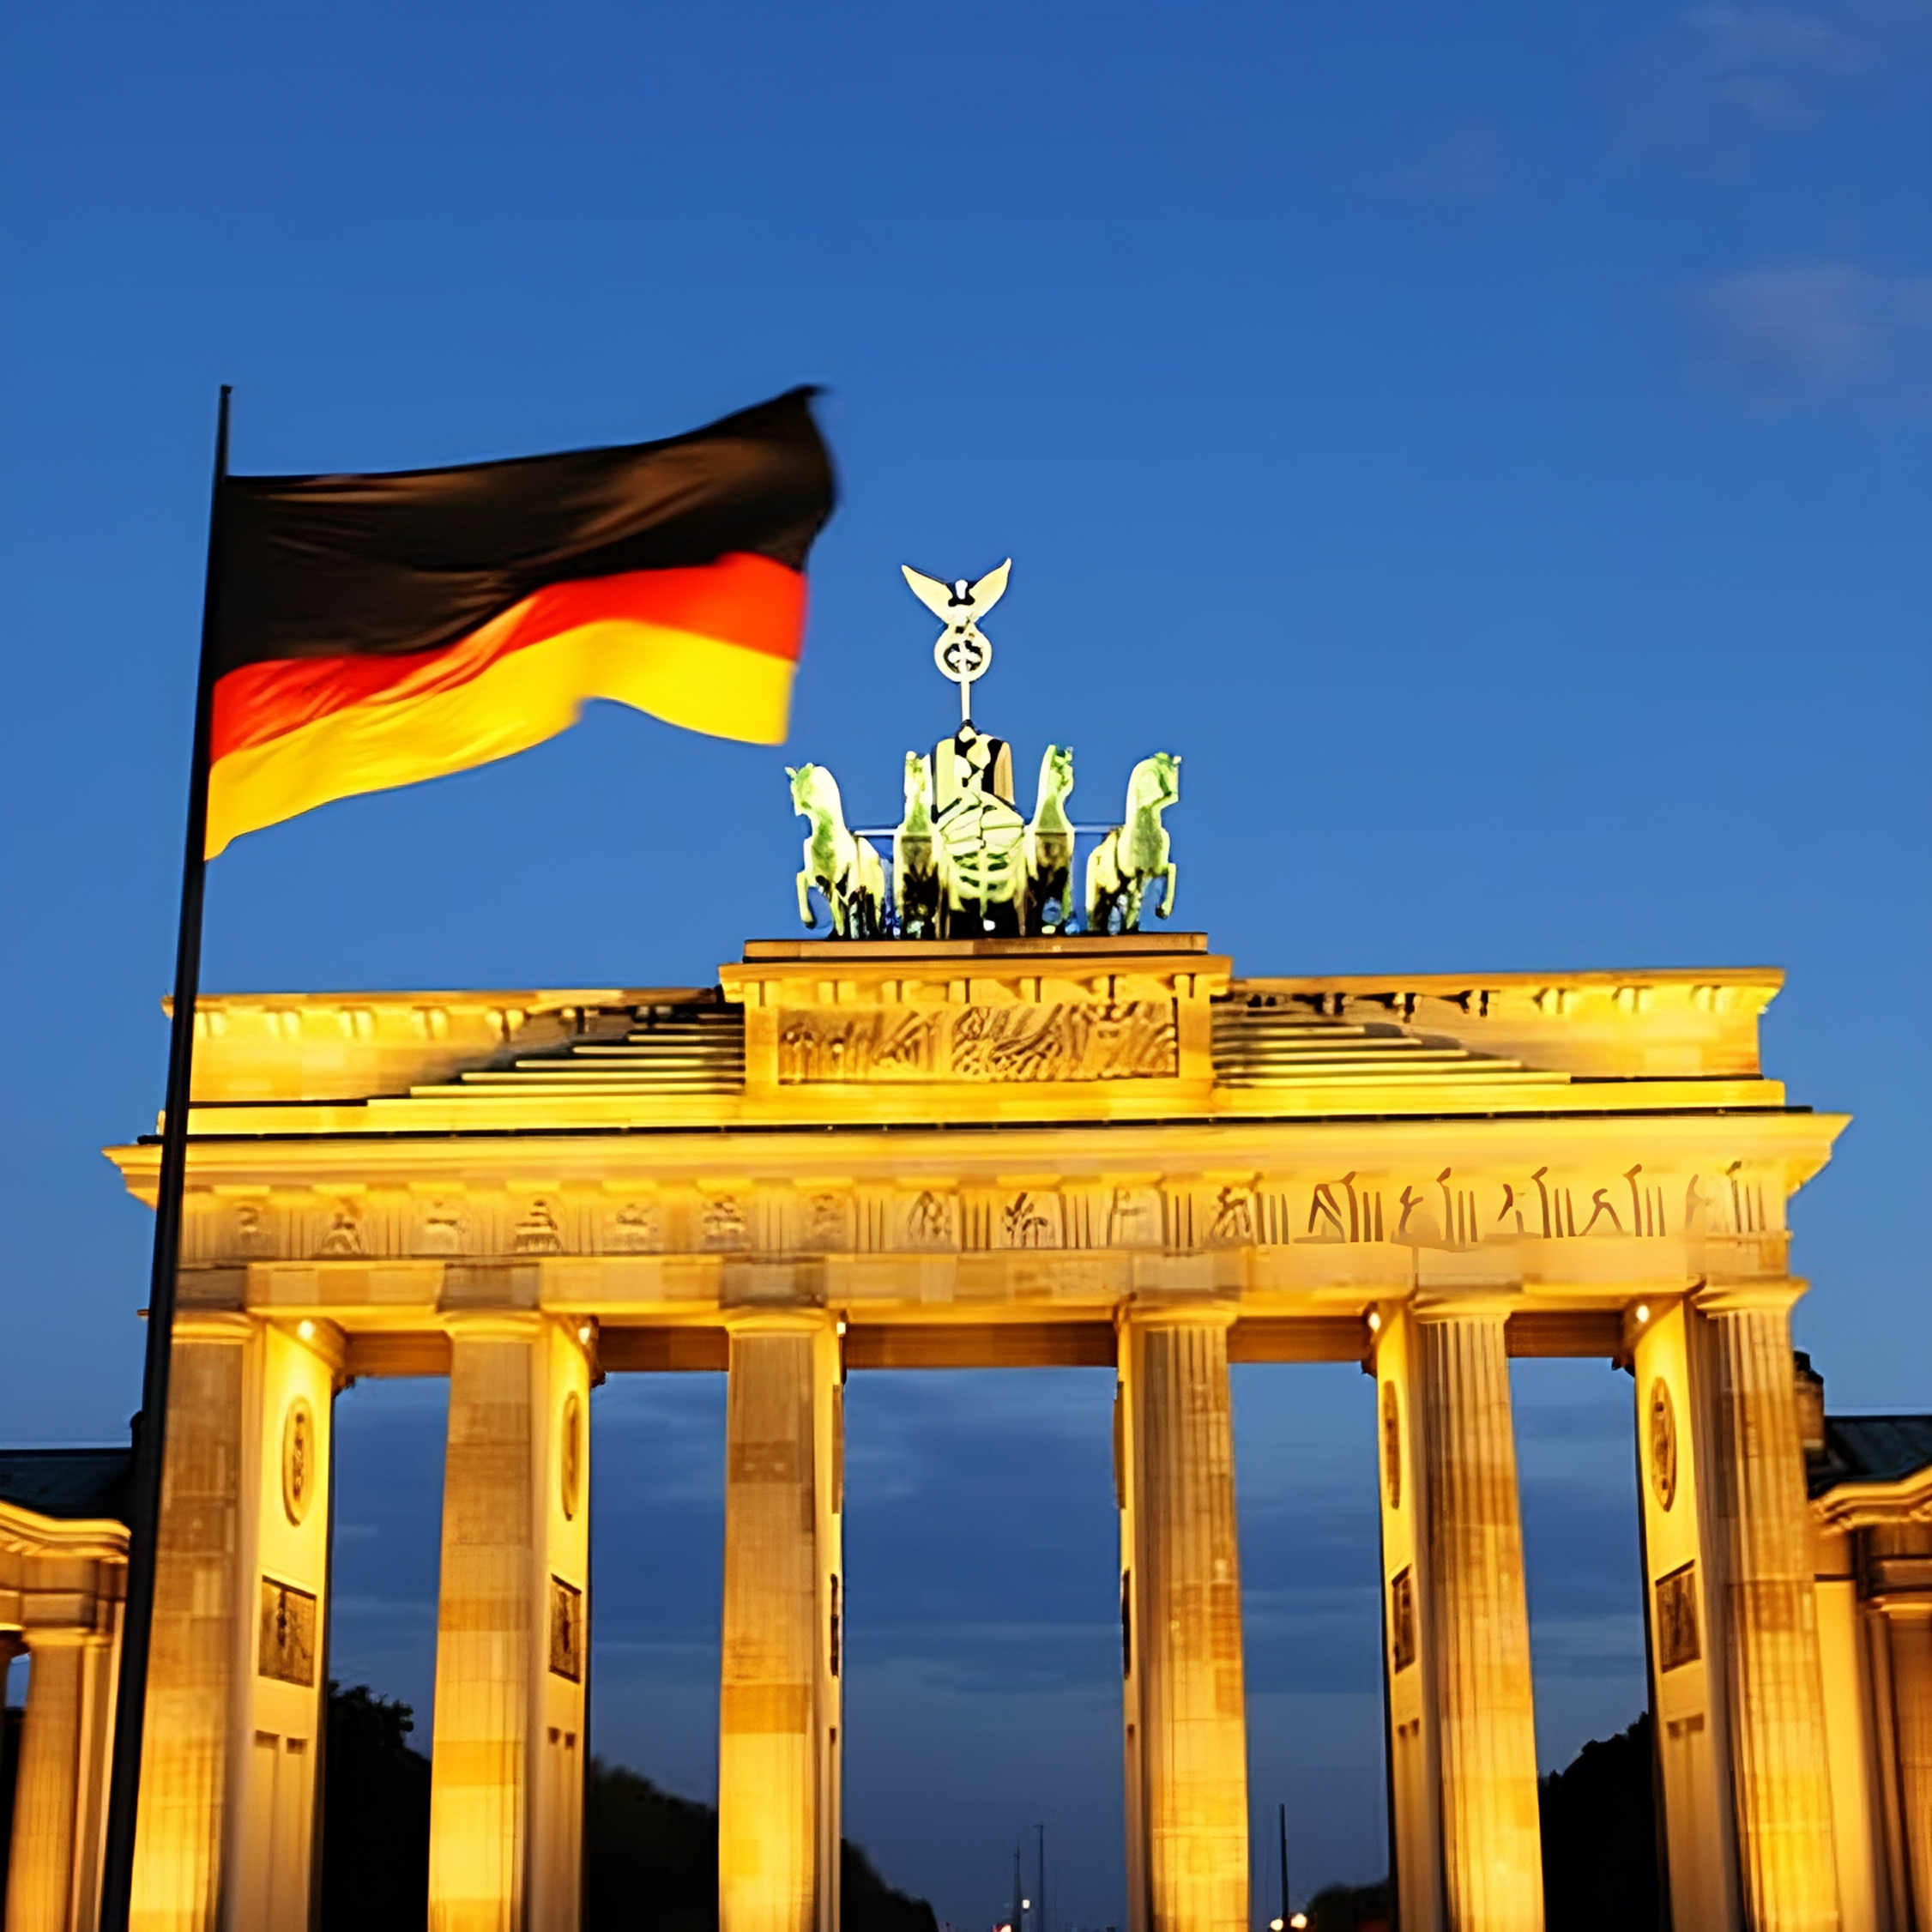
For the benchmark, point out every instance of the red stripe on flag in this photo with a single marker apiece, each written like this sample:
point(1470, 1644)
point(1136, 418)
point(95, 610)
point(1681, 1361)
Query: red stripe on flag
point(742, 600)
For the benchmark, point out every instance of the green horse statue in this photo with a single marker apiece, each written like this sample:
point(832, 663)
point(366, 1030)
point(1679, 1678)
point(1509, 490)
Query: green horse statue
point(1049, 845)
point(1133, 856)
point(915, 872)
point(844, 868)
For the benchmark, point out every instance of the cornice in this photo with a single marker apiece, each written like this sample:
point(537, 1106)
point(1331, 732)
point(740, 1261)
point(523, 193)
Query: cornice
point(27, 1532)
point(1803, 1141)
point(1868, 1505)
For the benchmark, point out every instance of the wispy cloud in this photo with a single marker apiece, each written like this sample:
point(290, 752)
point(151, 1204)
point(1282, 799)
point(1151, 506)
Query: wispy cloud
point(1774, 61)
point(1810, 329)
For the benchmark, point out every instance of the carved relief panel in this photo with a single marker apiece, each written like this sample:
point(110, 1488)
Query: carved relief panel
point(826, 1223)
point(1028, 1217)
point(443, 1224)
point(632, 1224)
point(1069, 1039)
point(1135, 1218)
point(930, 1221)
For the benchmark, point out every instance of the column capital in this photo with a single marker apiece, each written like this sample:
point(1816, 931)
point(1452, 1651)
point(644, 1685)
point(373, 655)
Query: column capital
point(1776, 1295)
point(1153, 1309)
point(216, 1324)
point(1478, 1301)
point(58, 1637)
point(495, 1325)
point(321, 1338)
point(780, 1320)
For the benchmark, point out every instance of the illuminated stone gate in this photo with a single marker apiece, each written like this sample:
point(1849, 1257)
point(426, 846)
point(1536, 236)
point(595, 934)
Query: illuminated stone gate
point(994, 1123)
point(1008, 1152)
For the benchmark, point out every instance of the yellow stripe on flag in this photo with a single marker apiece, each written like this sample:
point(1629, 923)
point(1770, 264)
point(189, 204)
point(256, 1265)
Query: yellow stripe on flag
point(703, 684)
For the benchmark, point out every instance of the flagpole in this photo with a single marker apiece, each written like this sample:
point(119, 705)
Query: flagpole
point(144, 1488)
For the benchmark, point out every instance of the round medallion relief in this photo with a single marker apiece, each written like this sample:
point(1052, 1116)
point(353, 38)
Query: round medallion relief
point(297, 1458)
point(569, 1454)
point(1391, 1445)
point(1663, 1443)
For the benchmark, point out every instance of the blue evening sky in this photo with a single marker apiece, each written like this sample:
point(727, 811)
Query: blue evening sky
point(1490, 443)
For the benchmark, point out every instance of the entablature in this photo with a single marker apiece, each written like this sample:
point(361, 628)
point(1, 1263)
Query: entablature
point(915, 1131)
point(1288, 1217)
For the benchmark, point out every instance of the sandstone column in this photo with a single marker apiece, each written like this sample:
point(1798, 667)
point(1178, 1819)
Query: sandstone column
point(202, 1596)
point(778, 1750)
point(99, 1665)
point(512, 1624)
point(46, 1790)
point(1408, 1643)
point(1910, 1625)
point(1781, 1791)
point(1181, 1614)
point(1479, 1621)
point(234, 1684)
point(1689, 1694)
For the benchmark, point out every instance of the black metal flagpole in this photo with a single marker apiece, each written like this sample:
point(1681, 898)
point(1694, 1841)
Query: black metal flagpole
point(1283, 1819)
point(144, 1489)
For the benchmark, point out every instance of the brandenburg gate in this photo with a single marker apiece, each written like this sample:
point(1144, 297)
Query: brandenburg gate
point(952, 1153)
point(962, 1132)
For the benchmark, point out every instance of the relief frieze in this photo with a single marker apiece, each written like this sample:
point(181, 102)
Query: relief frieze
point(1069, 1039)
point(721, 1225)
point(1031, 1218)
point(442, 1227)
point(1447, 1209)
point(827, 1224)
point(1135, 1219)
point(931, 1221)
point(538, 1232)
point(636, 1228)
point(342, 1238)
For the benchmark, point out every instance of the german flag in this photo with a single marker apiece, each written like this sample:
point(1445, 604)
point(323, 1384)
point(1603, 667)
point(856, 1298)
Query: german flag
point(372, 630)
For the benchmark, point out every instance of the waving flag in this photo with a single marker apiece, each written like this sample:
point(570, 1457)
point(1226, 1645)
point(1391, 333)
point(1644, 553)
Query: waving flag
point(370, 632)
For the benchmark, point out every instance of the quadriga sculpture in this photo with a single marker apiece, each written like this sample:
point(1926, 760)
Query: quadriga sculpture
point(844, 868)
point(1121, 867)
point(1049, 845)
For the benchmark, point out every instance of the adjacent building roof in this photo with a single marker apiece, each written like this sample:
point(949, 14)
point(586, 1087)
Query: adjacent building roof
point(70, 1485)
point(1871, 1449)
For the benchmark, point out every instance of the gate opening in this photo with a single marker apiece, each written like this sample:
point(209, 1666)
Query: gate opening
point(1305, 1477)
point(982, 1649)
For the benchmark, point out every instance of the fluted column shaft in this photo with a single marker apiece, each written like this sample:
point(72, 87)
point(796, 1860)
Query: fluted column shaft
point(1184, 1577)
point(506, 1766)
point(777, 1779)
point(1479, 1621)
point(201, 1587)
point(1779, 1776)
point(1911, 1705)
point(46, 1790)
